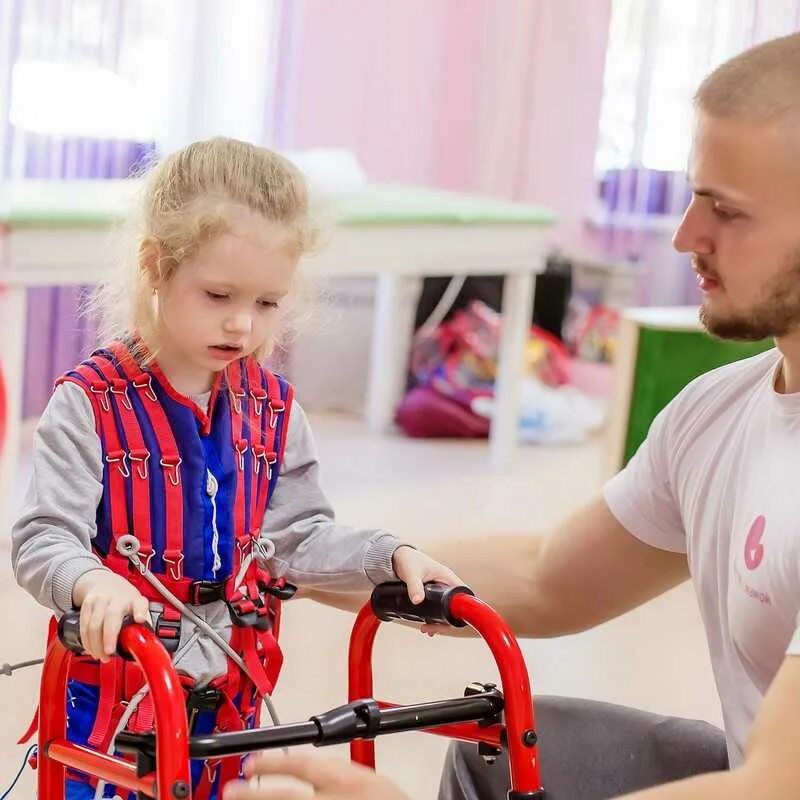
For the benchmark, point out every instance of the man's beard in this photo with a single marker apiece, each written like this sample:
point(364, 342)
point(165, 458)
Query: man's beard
point(776, 314)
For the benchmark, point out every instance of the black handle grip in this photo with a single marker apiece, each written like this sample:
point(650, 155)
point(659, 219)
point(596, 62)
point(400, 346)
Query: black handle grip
point(391, 601)
point(69, 633)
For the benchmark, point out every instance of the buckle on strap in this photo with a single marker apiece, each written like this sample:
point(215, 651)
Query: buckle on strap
point(203, 592)
point(281, 589)
point(169, 632)
point(199, 700)
point(250, 612)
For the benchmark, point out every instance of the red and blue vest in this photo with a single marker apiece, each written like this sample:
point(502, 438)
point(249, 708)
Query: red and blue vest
point(193, 487)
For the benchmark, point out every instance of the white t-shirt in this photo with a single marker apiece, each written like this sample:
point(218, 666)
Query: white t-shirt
point(718, 479)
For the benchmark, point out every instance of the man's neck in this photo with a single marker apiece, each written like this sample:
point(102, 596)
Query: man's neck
point(788, 381)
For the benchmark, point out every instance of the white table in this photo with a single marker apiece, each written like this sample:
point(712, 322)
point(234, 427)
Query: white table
point(57, 233)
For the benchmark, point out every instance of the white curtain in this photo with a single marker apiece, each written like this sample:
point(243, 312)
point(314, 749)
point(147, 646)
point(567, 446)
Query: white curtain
point(659, 51)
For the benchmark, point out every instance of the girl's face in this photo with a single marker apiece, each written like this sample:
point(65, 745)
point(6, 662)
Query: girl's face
point(223, 302)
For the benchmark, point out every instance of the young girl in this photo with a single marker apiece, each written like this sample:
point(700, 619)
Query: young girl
point(174, 478)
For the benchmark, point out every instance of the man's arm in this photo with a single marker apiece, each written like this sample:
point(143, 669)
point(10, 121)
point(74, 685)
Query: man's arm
point(771, 769)
point(588, 570)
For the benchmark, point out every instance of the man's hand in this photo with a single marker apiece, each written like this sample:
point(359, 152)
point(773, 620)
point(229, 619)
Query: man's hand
point(327, 779)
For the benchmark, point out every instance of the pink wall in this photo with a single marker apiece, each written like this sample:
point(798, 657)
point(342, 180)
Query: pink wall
point(493, 96)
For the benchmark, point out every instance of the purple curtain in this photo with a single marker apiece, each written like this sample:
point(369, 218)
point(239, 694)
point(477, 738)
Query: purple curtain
point(641, 208)
point(74, 32)
point(57, 336)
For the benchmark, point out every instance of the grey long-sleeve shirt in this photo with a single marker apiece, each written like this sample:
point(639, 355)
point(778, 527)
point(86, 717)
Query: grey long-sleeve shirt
point(51, 541)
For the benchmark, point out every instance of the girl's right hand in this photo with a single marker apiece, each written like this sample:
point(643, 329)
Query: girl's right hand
point(105, 599)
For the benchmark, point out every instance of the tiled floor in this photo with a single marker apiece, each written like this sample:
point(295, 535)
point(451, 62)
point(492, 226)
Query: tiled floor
point(654, 658)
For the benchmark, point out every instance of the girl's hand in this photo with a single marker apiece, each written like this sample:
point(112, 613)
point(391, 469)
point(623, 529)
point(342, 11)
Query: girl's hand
point(414, 568)
point(105, 599)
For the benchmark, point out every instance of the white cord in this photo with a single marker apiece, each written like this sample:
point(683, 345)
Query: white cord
point(133, 704)
point(128, 546)
point(444, 305)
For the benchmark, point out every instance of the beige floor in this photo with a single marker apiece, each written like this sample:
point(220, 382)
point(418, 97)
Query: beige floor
point(654, 658)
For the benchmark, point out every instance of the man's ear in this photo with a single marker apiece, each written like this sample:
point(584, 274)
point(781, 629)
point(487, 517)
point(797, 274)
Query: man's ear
point(151, 254)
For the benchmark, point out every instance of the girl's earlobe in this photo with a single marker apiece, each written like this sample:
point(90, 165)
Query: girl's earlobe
point(150, 255)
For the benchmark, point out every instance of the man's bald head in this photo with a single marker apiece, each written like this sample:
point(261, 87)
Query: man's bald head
point(761, 84)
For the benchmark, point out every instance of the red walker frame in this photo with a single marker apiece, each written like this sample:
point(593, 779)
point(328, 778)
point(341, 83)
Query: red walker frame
point(171, 777)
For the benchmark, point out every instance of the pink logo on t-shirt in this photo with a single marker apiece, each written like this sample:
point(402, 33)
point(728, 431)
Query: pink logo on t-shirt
point(753, 549)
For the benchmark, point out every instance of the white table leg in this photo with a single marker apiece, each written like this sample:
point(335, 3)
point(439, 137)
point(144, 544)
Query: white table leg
point(517, 310)
point(12, 358)
point(395, 304)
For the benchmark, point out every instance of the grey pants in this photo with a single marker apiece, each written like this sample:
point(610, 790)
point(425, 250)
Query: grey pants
point(593, 751)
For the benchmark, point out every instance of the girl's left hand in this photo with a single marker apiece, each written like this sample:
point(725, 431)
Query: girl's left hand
point(414, 568)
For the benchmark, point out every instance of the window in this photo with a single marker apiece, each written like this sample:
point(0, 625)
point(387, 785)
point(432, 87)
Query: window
point(658, 53)
point(96, 69)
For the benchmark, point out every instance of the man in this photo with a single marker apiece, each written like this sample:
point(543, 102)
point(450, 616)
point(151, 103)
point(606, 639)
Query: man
point(711, 496)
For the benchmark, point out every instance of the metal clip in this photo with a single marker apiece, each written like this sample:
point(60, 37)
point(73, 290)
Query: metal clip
point(236, 399)
point(241, 448)
point(271, 459)
point(172, 466)
point(145, 381)
point(275, 407)
point(101, 390)
point(142, 457)
point(119, 457)
point(259, 396)
point(175, 561)
point(120, 387)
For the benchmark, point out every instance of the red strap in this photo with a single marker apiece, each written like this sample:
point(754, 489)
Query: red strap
point(274, 392)
point(32, 728)
point(143, 719)
point(260, 650)
point(170, 459)
point(52, 631)
point(116, 464)
point(203, 789)
point(276, 621)
point(287, 414)
point(107, 702)
point(92, 398)
point(229, 770)
point(272, 655)
point(229, 718)
point(257, 404)
point(138, 457)
point(240, 531)
point(255, 665)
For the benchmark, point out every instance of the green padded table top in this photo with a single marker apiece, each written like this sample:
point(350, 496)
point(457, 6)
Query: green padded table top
point(94, 203)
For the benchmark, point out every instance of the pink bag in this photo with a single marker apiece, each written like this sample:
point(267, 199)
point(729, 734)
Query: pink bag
point(425, 413)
